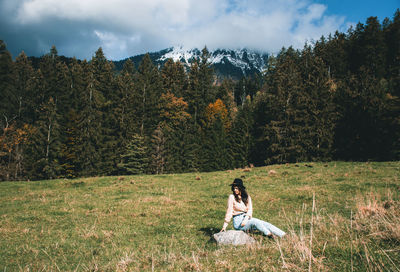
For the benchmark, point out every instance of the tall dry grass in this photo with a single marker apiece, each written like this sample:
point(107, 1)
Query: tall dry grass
point(378, 217)
point(371, 235)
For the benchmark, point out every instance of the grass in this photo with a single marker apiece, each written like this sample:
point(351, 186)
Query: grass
point(164, 222)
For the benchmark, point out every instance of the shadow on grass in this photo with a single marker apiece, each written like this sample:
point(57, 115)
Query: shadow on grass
point(209, 231)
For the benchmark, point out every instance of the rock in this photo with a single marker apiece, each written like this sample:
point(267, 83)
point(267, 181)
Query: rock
point(272, 172)
point(233, 237)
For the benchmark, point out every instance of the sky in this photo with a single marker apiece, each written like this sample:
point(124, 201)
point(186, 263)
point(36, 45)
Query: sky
point(125, 28)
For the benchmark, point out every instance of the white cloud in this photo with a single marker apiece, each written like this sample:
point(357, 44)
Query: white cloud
point(127, 27)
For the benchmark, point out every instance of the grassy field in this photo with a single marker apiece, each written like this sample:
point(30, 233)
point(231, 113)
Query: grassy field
point(339, 216)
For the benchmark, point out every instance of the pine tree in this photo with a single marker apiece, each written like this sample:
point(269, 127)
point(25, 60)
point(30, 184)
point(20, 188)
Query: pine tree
point(319, 116)
point(158, 159)
point(89, 123)
point(125, 109)
point(108, 140)
point(173, 121)
point(363, 132)
point(24, 89)
point(70, 161)
point(241, 139)
point(174, 78)
point(334, 53)
point(201, 91)
point(216, 154)
point(147, 93)
point(392, 37)
point(8, 101)
point(135, 158)
point(285, 122)
point(46, 145)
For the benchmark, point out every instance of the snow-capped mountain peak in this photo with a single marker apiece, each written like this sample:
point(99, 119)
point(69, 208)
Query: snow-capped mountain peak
point(227, 63)
point(247, 61)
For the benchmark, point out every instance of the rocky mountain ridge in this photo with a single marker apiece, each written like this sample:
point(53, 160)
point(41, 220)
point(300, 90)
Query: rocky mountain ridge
point(227, 63)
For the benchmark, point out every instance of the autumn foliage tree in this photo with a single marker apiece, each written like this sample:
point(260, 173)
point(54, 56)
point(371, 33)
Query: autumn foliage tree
point(12, 144)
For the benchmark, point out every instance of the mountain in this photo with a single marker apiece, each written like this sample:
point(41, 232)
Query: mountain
point(226, 63)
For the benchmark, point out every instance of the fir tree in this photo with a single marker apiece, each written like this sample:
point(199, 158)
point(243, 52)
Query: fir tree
point(201, 91)
point(174, 78)
point(8, 100)
point(89, 123)
point(134, 160)
point(24, 89)
point(174, 119)
point(108, 140)
point(158, 151)
point(147, 93)
point(241, 140)
point(215, 150)
point(125, 108)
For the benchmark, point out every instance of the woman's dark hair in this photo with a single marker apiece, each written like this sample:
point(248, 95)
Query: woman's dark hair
point(243, 193)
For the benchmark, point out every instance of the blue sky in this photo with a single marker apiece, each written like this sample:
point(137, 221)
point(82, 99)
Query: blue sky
point(360, 10)
point(128, 27)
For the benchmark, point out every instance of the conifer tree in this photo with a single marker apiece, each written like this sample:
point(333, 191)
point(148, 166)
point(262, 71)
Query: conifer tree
point(335, 54)
point(24, 89)
point(108, 140)
point(174, 78)
point(158, 151)
point(320, 115)
point(8, 101)
point(241, 140)
point(286, 109)
point(135, 158)
point(70, 162)
point(363, 132)
point(147, 93)
point(89, 123)
point(173, 121)
point(125, 108)
point(216, 154)
point(46, 144)
point(392, 37)
point(201, 91)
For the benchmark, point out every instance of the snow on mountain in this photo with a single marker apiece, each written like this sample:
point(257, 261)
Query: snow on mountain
point(180, 54)
point(245, 60)
point(227, 63)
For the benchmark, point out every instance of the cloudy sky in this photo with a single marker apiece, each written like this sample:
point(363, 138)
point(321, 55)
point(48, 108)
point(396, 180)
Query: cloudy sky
point(125, 28)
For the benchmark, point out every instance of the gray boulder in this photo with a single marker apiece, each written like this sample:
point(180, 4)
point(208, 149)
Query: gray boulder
point(233, 237)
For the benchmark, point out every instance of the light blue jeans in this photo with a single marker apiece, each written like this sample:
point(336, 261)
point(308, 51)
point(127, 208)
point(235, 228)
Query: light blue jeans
point(256, 224)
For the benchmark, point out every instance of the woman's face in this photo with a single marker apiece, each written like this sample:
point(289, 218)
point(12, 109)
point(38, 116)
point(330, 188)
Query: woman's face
point(236, 190)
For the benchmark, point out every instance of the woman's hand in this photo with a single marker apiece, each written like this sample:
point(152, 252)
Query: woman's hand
point(223, 229)
point(245, 220)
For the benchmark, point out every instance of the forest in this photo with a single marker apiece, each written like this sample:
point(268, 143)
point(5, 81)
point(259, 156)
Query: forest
point(337, 98)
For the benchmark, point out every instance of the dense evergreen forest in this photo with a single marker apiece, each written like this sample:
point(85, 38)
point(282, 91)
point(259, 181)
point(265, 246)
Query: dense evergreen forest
point(336, 99)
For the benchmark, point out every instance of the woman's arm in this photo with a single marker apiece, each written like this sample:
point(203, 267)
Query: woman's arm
point(229, 213)
point(250, 208)
point(249, 213)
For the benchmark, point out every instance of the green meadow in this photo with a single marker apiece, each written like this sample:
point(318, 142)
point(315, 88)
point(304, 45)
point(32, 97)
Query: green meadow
point(339, 216)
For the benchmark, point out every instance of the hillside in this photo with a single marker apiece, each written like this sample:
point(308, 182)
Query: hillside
point(164, 222)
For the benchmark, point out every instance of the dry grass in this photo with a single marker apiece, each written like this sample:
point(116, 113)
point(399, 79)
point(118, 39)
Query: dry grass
point(378, 217)
point(164, 223)
point(298, 244)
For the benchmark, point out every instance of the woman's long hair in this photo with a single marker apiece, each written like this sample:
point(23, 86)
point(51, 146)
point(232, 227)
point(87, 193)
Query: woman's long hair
point(243, 193)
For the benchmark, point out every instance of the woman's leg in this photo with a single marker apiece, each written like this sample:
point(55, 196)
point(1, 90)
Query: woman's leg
point(264, 227)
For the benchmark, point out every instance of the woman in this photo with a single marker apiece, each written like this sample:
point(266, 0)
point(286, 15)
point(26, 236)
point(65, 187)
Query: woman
point(241, 209)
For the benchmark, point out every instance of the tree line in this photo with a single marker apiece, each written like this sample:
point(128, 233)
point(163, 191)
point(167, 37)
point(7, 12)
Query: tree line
point(338, 98)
